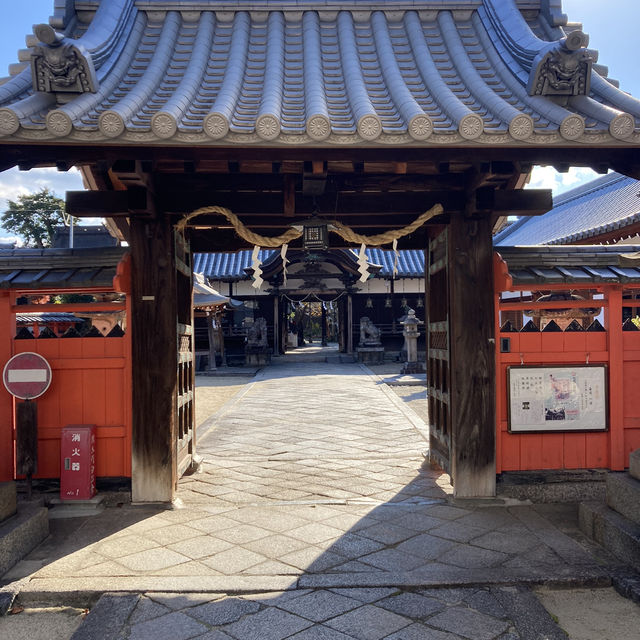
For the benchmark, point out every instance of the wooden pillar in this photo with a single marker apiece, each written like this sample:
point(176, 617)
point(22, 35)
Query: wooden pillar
point(349, 324)
point(324, 325)
point(472, 335)
point(7, 333)
point(276, 324)
point(211, 335)
point(613, 321)
point(154, 360)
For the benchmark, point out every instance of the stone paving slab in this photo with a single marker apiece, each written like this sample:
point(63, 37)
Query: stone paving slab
point(314, 484)
point(485, 613)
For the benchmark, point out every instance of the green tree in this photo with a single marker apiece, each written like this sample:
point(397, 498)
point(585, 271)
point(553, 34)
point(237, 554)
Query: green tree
point(34, 217)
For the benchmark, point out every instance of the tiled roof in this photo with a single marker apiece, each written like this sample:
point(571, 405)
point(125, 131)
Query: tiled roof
point(58, 268)
point(421, 72)
point(204, 295)
point(607, 204)
point(231, 266)
point(46, 317)
point(84, 237)
point(579, 264)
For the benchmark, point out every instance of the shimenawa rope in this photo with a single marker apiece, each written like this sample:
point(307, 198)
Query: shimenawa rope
point(343, 231)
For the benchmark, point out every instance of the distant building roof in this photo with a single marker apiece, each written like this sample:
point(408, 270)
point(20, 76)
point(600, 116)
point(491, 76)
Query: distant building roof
point(610, 203)
point(84, 237)
point(46, 317)
point(204, 296)
point(231, 266)
point(58, 268)
point(578, 264)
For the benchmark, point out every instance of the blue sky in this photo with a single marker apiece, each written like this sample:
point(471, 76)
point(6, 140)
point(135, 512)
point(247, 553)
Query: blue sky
point(612, 26)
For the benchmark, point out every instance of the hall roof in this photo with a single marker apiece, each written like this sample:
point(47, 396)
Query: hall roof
point(58, 268)
point(231, 266)
point(310, 72)
point(579, 264)
point(609, 205)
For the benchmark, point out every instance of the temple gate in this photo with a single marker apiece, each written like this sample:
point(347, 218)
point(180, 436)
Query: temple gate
point(369, 117)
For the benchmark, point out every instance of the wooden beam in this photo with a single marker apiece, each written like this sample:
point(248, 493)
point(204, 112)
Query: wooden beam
point(289, 204)
point(119, 228)
point(43, 155)
point(101, 204)
point(330, 204)
point(401, 168)
point(525, 202)
point(630, 170)
point(209, 240)
point(373, 182)
point(274, 224)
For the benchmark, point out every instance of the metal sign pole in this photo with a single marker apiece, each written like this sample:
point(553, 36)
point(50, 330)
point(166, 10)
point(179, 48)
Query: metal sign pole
point(27, 441)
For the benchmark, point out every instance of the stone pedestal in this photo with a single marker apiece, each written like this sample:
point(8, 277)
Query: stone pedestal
point(371, 355)
point(257, 356)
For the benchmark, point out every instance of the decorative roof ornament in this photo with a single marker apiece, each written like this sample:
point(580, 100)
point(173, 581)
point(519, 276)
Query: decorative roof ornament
point(564, 68)
point(58, 66)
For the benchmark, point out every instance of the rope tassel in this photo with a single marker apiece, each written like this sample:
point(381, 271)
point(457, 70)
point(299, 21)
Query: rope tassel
point(395, 258)
point(257, 270)
point(363, 263)
point(285, 262)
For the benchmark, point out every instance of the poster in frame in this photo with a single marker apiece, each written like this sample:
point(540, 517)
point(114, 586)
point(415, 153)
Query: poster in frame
point(567, 398)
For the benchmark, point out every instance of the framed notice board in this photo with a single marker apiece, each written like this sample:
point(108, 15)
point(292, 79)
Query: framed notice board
point(563, 398)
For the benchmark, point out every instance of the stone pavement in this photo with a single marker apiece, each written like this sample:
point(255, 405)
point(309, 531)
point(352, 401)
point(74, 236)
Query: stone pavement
point(315, 516)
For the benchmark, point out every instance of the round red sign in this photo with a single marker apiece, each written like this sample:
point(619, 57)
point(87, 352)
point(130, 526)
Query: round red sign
point(27, 375)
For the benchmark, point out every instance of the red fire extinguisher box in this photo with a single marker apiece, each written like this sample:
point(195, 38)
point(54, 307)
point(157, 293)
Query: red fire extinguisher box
point(78, 462)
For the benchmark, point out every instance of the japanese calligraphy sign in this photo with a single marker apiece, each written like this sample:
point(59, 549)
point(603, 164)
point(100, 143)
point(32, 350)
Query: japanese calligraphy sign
point(570, 398)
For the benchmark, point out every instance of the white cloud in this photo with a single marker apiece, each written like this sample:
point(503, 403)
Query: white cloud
point(14, 183)
point(549, 178)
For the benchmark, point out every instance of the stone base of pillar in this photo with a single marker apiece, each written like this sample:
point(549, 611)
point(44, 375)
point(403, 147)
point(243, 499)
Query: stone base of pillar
point(370, 355)
point(257, 356)
point(412, 367)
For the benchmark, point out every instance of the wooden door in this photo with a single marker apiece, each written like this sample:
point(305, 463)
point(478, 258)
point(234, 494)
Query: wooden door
point(185, 434)
point(438, 349)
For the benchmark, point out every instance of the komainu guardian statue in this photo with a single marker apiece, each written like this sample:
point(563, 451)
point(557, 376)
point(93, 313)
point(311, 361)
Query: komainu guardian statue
point(257, 333)
point(369, 333)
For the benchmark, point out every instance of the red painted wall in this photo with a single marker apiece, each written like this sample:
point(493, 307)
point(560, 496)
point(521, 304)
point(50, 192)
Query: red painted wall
point(619, 350)
point(91, 384)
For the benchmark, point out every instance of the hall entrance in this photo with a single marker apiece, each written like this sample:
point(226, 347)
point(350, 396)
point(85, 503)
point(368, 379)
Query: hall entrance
point(311, 322)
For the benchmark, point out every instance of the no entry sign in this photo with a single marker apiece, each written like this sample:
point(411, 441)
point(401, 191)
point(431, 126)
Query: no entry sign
point(27, 375)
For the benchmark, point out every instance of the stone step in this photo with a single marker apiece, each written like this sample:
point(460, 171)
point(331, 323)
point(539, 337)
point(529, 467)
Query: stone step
point(340, 359)
point(20, 534)
point(60, 509)
point(623, 495)
point(634, 464)
point(8, 501)
point(613, 531)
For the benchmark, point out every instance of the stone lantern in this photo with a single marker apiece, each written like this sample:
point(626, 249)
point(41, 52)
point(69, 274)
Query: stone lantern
point(410, 332)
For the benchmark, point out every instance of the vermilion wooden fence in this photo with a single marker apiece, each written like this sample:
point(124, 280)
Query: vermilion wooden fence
point(91, 384)
point(619, 350)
